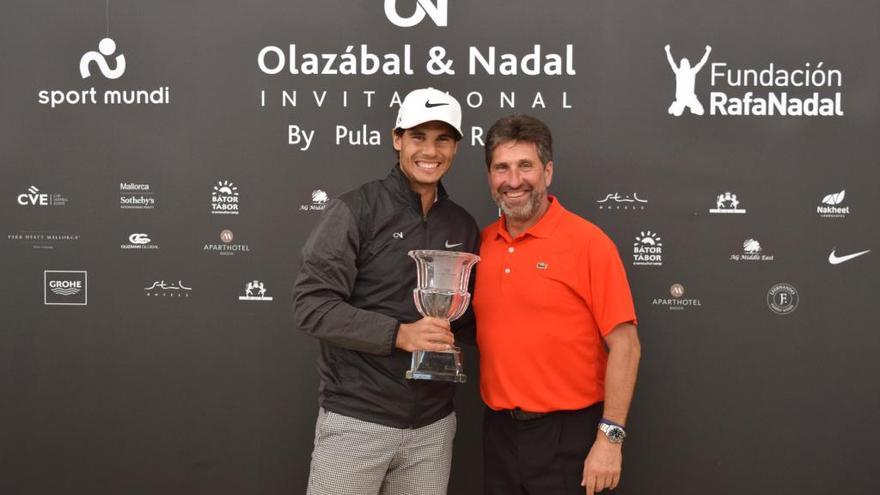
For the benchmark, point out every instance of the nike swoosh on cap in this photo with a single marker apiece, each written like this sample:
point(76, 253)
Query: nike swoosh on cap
point(428, 104)
point(836, 260)
point(450, 246)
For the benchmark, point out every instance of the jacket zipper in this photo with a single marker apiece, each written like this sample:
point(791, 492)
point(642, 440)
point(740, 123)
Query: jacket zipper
point(418, 396)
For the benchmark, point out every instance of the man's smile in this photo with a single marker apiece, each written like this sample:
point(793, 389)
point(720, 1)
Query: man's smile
point(427, 165)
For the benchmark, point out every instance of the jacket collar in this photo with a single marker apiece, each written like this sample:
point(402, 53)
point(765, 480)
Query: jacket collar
point(399, 184)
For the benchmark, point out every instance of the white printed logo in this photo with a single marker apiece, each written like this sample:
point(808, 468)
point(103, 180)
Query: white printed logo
point(648, 249)
point(836, 260)
point(319, 196)
point(397, 235)
point(136, 196)
point(33, 197)
point(162, 289)
point(43, 239)
point(450, 246)
point(832, 208)
point(139, 239)
point(727, 203)
point(752, 251)
point(633, 202)
point(319, 201)
point(834, 199)
point(436, 11)
point(782, 298)
point(108, 63)
point(765, 90)
point(106, 47)
point(224, 199)
point(255, 291)
point(685, 82)
point(751, 246)
point(65, 287)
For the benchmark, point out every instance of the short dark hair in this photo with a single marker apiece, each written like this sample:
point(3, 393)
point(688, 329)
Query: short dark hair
point(520, 128)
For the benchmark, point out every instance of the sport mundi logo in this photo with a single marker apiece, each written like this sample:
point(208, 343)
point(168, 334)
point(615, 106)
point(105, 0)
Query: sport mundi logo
point(107, 62)
point(106, 48)
point(798, 89)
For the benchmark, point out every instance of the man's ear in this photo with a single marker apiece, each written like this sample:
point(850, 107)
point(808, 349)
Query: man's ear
point(548, 173)
point(395, 139)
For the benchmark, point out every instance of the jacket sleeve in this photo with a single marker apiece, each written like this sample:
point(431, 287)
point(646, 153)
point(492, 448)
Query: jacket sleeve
point(325, 282)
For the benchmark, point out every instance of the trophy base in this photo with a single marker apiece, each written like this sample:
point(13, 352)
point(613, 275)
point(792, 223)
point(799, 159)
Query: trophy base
point(439, 366)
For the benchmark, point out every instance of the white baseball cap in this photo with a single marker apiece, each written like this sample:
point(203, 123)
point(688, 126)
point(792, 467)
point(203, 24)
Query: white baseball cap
point(427, 104)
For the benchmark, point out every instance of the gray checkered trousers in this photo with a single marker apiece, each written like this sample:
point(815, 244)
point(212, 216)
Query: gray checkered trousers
point(354, 457)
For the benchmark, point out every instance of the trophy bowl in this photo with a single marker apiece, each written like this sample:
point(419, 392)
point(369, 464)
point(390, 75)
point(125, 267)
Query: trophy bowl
point(442, 292)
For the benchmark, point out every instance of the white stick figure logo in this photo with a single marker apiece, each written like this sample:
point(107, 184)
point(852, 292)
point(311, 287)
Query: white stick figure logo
point(106, 47)
point(437, 13)
point(685, 78)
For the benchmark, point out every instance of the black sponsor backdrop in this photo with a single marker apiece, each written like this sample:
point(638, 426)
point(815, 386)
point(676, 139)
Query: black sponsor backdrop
point(207, 394)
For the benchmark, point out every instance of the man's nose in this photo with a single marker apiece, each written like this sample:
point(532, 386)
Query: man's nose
point(429, 148)
point(514, 179)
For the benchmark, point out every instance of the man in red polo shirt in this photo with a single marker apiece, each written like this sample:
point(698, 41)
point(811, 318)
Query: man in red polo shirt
point(556, 328)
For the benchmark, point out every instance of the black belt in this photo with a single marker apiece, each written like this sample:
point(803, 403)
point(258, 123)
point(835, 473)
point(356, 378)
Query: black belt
point(520, 415)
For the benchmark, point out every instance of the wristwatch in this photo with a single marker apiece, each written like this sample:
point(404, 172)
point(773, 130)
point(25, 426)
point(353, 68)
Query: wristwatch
point(613, 431)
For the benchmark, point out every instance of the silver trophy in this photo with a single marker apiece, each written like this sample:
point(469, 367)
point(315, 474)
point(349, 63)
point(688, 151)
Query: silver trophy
point(442, 292)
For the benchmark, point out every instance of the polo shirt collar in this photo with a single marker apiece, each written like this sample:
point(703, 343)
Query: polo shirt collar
point(545, 226)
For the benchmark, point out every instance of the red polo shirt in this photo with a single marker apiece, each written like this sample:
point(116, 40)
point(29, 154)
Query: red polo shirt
point(543, 301)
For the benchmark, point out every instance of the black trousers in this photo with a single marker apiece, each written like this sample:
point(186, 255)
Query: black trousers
point(542, 456)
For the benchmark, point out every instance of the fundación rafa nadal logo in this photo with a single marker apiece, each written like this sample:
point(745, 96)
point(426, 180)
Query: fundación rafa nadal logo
point(685, 82)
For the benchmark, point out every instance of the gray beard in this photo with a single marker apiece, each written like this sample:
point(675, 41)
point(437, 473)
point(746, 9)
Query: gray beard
point(525, 211)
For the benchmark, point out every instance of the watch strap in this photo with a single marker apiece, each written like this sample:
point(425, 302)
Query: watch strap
point(612, 423)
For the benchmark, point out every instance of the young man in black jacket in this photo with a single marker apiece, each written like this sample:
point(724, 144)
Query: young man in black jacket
point(378, 432)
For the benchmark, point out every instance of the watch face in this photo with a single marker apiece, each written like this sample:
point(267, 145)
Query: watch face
point(615, 434)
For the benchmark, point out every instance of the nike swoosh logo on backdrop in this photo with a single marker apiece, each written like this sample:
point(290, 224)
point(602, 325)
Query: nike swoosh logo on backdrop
point(836, 260)
point(428, 104)
point(450, 246)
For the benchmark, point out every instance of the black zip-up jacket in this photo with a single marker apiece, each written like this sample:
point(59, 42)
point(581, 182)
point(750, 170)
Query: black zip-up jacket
point(355, 288)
